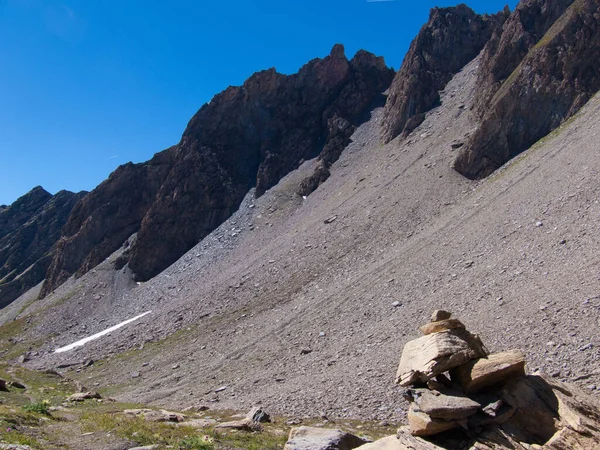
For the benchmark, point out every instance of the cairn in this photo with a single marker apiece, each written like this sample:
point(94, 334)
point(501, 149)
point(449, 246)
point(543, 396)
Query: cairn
point(454, 383)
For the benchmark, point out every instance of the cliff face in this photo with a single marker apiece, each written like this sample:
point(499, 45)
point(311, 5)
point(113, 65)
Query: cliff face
point(29, 231)
point(540, 71)
point(451, 38)
point(247, 136)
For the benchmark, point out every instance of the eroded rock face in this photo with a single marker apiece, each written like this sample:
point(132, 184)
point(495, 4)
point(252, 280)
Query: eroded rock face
point(558, 72)
point(247, 136)
point(451, 38)
point(29, 231)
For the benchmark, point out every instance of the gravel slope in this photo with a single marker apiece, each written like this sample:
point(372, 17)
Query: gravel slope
point(284, 309)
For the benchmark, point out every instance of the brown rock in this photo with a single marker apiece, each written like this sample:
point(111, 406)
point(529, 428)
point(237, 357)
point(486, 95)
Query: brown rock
point(3, 387)
point(387, 443)
point(440, 314)
point(81, 396)
point(312, 438)
point(243, 424)
point(433, 354)
point(423, 425)
point(450, 405)
point(476, 376)
point(411, 442)
point(441, 325)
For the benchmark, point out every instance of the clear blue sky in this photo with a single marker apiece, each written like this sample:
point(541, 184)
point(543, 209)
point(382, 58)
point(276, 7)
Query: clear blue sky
point(87, 85)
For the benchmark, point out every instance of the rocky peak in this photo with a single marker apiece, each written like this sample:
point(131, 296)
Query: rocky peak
point(451, 38)
point(28, 242)
point(247, 136)
point(22, 209)
point(557, 73)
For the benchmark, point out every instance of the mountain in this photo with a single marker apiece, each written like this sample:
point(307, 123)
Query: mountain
point(29, 231)
point(247, 136)
point(283, 254)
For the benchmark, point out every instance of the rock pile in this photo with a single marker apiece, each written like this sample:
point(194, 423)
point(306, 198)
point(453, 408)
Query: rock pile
point(455, 384)
point(462, 397)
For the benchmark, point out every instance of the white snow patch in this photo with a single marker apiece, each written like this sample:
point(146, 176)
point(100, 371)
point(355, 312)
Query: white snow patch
point(84, 341)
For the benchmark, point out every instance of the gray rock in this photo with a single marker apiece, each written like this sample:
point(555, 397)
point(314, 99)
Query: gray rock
point(312, 438)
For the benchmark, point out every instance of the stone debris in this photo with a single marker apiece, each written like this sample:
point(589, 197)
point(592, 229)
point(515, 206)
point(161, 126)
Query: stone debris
point(313, 438)
point(488, 401)
point(81, 396)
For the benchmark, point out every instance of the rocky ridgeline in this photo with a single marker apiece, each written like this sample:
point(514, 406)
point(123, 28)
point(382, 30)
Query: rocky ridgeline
point(462, 397)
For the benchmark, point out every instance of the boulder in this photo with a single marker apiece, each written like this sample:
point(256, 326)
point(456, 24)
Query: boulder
point(81, 396)
point(257, 414)
point(451, 405)
point(387, 443)
point(433, 354)
point(312, 438)
point(243, 424)
point(476, 376)
point(441, 325)
point(3, 387)
point(440, 314)
point(422, 424)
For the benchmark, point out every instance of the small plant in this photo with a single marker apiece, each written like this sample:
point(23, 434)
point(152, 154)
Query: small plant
point(195, 443)
point(42, 407)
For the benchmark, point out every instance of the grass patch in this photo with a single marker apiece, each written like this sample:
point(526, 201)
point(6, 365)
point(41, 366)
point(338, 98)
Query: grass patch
point(39, 407)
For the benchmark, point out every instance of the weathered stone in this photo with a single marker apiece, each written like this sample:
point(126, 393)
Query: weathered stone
point(423, 425)
point(545, 408)
point(243, 424)
point(476, 376)
point(387, 443)
point(449, 405)
point(17, 385)
point(257, 414)
point(81, 396)
point(440, 314)
point(411, 442)
point(441, 325)
point(433, 354)
point(312, 438)
point(3, 387)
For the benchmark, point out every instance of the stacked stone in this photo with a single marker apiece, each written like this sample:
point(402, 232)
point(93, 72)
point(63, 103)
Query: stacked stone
point(453, 381)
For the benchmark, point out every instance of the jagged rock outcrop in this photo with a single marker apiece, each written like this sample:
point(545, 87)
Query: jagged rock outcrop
point(247, 136)
point(29, 231)
point(451, 38)
point(540, 71)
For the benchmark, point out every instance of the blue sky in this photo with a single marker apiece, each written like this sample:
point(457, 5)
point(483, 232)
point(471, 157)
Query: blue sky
point(87, 85)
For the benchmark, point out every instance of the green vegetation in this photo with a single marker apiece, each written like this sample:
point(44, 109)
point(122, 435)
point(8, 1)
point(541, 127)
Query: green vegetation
point(39, 407)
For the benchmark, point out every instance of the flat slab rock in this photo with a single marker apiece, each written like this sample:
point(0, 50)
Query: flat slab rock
point(428, 356)
point(449, 405)
point(478, 375)
point(441, 325)
point(313, 438)
point(421, 424)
